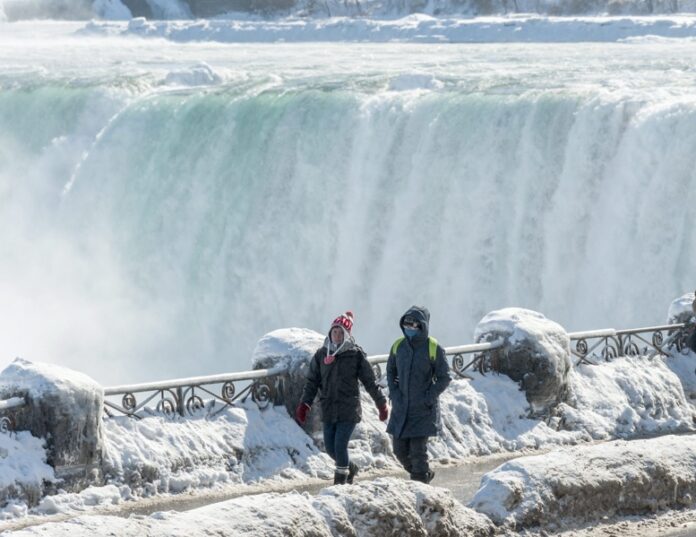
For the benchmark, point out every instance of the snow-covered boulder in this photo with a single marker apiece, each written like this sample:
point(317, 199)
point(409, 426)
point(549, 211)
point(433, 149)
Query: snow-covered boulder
point(64, 407)
point(292, 348)
point(536, 354)
point(589, 482)
point(681, 310)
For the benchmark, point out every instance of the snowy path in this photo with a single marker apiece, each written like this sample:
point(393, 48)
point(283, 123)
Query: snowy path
point(463, 480)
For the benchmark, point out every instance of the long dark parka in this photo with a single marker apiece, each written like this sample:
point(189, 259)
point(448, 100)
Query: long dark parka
point(337, 383)
point(415, 382)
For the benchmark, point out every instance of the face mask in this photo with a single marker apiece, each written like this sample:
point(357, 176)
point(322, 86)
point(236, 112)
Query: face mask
point(410, 332)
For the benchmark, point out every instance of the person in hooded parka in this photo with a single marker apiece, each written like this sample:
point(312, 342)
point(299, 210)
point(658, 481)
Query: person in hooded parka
point(417, 373)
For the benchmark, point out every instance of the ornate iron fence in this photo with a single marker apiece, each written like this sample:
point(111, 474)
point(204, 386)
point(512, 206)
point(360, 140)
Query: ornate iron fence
point(605, 345)
point(265, 386)
point(185, 396)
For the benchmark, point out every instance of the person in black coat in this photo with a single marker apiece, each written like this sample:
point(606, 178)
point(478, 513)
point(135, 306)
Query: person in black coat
point(334, 372)
point(417, 373)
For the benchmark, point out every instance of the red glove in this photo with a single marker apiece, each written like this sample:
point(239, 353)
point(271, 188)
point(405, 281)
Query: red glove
point(301, 413)
point(383, 412)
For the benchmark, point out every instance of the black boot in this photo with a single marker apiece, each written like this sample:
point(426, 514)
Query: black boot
point(340, 478)
point(352, 472)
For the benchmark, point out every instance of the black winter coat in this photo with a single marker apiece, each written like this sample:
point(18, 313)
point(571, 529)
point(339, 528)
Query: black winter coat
point(338, 384)
point(415, 383)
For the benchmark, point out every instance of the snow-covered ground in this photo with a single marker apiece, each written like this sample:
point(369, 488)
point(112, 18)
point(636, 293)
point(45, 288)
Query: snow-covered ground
point(248, 447)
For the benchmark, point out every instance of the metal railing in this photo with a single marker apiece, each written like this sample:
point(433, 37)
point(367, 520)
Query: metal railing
point(185, 396)
point(458, 363)
point(608, 344)
point(182, 396)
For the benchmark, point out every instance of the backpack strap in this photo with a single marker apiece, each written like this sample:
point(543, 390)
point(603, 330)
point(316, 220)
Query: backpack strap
point(432, 348)
point(396, 344)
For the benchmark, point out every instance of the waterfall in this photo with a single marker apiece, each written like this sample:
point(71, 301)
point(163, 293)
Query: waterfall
point(151, 234)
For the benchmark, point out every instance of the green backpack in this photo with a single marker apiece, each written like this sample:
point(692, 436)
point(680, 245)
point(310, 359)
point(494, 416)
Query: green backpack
point(432, 347)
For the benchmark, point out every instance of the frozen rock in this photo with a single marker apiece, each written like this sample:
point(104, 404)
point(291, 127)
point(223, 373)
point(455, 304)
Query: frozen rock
point(291, 348)
point(64, 407)
point(681, 310)
point(536, 354)
point(590, 482)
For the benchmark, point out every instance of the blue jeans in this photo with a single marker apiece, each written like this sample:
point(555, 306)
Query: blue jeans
point(336, 436)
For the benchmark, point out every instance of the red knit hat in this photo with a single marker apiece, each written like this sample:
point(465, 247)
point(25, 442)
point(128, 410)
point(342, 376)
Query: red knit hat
point(345, 320)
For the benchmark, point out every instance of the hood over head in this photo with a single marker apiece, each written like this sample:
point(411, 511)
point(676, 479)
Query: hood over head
point(422, 315)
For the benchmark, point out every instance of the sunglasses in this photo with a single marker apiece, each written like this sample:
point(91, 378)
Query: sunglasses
point(410, 322)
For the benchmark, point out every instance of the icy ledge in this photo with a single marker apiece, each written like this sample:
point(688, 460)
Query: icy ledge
point(414, 28)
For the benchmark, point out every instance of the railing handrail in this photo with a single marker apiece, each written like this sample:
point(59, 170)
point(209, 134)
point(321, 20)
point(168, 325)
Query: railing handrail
point(195, 381)
point(261, 373)
point(12, 402)
point(588, 334)
point(449, 351)
point(612, 332)
point(649, 329)
point(374, 359)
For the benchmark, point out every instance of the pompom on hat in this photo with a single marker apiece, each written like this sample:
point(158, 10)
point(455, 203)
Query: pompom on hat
point(344, 320)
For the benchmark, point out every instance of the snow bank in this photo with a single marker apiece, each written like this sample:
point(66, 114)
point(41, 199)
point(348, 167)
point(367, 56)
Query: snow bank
point(625, 397)
point(23, 468)
point(490, 415)
point(536, 354)
point(591, 482)
point(383, 508)
point(393, 507)
point(417, 28)
point(242, 444)
point(76, 502)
